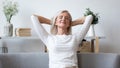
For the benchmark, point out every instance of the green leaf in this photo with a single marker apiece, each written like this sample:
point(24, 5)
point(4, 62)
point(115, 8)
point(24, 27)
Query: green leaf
point(95, 15)
point(10, 8)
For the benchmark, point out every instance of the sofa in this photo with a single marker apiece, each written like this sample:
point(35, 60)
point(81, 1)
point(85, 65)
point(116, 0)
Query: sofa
point(40, 60)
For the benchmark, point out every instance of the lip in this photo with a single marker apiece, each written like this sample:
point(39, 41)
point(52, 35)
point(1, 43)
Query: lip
point(63, 22)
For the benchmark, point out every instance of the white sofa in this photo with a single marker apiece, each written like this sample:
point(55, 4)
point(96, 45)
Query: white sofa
point(40, 60)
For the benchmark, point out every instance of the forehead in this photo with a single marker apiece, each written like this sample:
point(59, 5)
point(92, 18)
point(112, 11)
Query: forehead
point(64, 14)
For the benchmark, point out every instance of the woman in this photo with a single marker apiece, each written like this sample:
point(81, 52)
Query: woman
point(61, 44)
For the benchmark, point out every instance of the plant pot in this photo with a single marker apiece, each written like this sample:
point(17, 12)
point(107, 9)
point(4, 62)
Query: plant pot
point(8, 30)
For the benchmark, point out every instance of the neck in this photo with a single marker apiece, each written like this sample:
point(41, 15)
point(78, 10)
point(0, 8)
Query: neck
point(62, 31)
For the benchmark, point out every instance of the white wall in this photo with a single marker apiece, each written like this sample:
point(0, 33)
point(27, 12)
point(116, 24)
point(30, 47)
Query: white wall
point(108, 26)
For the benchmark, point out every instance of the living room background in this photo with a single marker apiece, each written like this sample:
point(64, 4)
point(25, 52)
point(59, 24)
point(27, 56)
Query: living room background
point(108, 10)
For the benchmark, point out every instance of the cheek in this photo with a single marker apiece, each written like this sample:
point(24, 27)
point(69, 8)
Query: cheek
point(56, 23)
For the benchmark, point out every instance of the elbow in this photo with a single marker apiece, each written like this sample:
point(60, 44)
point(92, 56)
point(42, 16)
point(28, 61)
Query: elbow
point(89, 19)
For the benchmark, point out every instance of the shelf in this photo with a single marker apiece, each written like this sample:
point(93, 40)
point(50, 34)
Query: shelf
point(19, 38)
point(89, 37)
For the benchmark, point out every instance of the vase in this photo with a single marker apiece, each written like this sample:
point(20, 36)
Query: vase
point(91, 31)
point(8, 30)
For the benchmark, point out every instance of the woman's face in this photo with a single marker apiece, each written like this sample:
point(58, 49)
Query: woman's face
point(63, 20)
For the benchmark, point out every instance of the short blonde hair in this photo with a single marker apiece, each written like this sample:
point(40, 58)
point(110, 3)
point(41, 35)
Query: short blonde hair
point(54, 27)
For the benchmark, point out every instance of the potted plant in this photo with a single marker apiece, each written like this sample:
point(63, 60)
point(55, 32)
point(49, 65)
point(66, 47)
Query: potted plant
point(95, 20)
point(10, 9)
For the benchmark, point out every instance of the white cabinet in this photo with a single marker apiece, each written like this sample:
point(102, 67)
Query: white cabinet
point(21, 44)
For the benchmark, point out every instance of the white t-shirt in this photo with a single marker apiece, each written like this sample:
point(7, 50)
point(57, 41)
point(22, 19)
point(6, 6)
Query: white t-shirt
point(62, 48)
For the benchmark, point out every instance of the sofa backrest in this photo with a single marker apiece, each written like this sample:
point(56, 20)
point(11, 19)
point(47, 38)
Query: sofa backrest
point(40, 60)
point(98, 60)
point(24, 60)
point(0, 64)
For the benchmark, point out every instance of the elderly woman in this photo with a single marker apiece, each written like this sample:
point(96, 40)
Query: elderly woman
point(61, 44)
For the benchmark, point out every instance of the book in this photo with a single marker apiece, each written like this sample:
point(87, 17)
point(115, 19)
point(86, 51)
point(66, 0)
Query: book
point(23, 31)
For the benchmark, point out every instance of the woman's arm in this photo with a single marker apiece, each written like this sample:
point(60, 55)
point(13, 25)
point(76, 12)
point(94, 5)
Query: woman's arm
point(41, 32)
point(85, 27)
point(78, 21)
point(43, 20)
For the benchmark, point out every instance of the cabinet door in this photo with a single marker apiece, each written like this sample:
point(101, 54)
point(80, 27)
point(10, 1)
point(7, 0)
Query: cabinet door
point(85, 47)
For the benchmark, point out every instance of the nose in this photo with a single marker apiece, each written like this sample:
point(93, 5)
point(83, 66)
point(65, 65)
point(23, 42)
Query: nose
point(63, 18)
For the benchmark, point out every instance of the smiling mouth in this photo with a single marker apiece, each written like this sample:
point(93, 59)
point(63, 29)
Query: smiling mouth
point(63, 22)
